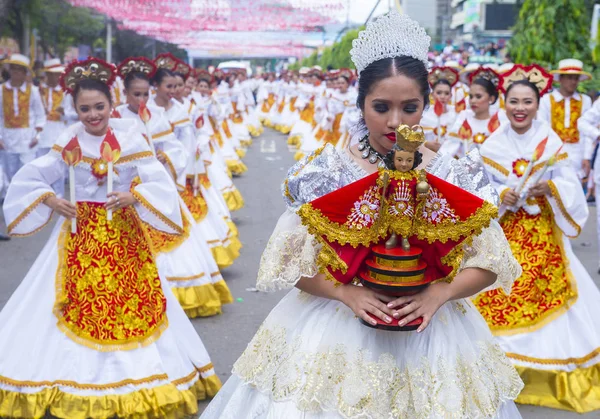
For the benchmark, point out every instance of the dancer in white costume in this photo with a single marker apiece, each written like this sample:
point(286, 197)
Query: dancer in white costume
point(312, 358)
point(548, 324)
point(439, 118)
point(185, 260)
point(207, 212)
point(473, 126)
point(93, 331)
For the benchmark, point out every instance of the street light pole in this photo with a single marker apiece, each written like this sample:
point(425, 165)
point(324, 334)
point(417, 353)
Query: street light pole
point(108, 40)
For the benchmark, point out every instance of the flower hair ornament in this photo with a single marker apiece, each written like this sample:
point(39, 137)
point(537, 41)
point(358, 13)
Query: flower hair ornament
point(92, 68)
point(166, 60)
point(534, 73)
point(137, 64)
point(391, 35)
point(486, 74)
point(443, 73)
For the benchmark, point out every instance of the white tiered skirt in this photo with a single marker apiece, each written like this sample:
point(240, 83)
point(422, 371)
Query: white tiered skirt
point(312, 358)
point(41, 368)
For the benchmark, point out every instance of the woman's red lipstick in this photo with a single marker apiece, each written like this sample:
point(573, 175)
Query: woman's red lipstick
point(391, 136)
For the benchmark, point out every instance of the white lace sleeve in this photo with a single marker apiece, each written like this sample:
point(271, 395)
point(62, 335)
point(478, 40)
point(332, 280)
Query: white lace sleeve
point(491, 251)
point(291, 254)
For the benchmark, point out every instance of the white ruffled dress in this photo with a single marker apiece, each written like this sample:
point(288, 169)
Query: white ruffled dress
point(312, 358)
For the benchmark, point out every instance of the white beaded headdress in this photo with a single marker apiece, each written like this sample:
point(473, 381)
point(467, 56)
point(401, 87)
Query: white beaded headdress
point(391, 35)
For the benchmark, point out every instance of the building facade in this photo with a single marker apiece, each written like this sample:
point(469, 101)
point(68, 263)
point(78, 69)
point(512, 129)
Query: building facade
point(481, 21)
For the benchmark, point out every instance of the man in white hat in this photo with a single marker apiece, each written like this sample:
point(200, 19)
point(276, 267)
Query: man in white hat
point(59, 112)
point(22, 116)
point(562, 109)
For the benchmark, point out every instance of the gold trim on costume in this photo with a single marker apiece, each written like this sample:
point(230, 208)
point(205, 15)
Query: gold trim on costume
point(169, 164)
point(567, 361)
point(496, 166)
point(156, 212)
point(185, 278)
point(28, 211)
point(162, 134)
point(125, 159)
point(563, 210)
point(143, 400)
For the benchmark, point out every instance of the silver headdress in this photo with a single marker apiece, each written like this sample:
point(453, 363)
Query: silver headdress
point(391, 35)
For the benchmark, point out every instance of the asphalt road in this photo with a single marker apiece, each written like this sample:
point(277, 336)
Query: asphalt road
point(227, 335)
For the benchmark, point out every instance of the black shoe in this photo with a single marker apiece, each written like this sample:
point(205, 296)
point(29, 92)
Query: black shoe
point(4, 238)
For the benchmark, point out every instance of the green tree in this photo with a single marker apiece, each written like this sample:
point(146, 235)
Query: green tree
point(548, 31)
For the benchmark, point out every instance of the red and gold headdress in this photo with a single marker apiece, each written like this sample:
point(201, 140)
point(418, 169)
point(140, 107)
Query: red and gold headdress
point(218, 73)
point(166, 60)
point(533, 73)
point(443, 73)
point(486, 74)
point(202, 74)
point(139, 64)
point(347, 73)
point(182, 68)
point(92, 68)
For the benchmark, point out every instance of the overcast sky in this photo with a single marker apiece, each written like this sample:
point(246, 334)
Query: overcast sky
point(360, 9)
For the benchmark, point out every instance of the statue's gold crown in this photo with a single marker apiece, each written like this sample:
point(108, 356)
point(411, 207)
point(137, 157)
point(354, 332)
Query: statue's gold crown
point(410, 139)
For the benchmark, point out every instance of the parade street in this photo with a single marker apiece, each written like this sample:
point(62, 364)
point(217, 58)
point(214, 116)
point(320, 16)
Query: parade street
point(227, 335)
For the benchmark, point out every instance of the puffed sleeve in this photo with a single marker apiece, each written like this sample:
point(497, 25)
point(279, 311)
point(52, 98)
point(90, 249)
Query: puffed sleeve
point(157, 200)
point(491, 251)
point(24, 208)
point(291, 253)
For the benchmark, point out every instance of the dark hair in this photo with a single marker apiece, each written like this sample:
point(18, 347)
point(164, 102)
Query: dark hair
point(92, 84)
point(388, 159)
point(345, 78)
point(387, 67)
point(525, 83)
point(178, 74)
point(160, 74)
point(134, 75)
point(441, 81)
point(488, 86)
point(204, 81)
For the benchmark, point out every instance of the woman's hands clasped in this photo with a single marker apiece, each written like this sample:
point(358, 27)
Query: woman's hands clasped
point(364, 301)
point(423, 304)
